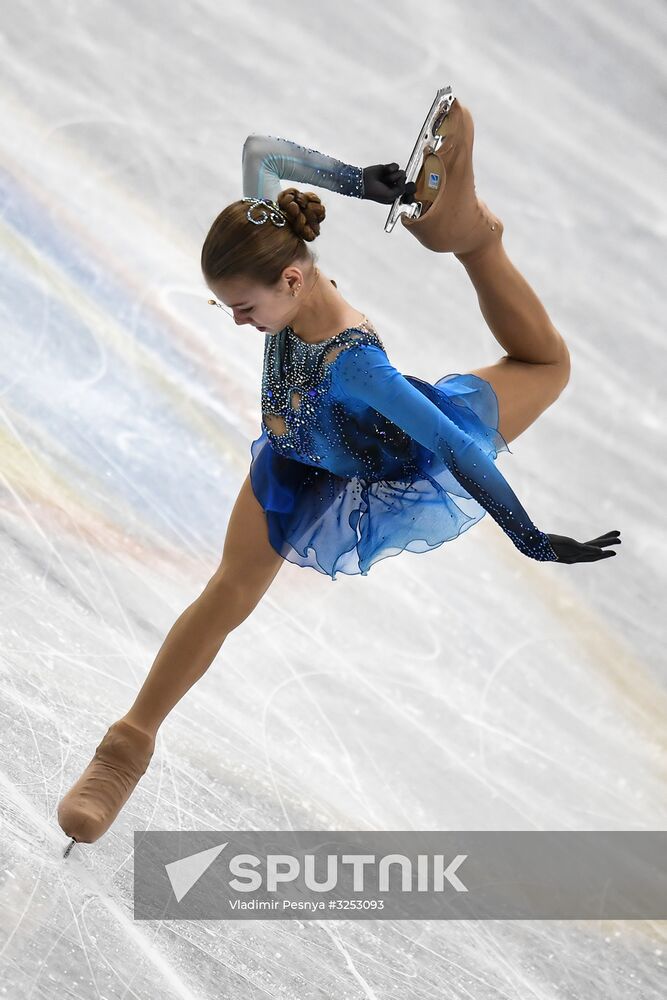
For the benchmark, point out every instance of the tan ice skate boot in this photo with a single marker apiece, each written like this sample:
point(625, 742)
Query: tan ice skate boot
point(93, 802)
point(453, 219)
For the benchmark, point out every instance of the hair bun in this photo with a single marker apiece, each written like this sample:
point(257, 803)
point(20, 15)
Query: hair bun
point(304, 212)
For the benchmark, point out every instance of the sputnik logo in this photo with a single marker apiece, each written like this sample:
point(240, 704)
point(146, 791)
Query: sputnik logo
point(186, 871)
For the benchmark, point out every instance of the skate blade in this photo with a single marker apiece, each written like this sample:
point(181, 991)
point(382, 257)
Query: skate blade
point(429, 140)
point(69, 847)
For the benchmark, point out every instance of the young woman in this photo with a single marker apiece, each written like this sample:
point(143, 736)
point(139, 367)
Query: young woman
point(355, 461)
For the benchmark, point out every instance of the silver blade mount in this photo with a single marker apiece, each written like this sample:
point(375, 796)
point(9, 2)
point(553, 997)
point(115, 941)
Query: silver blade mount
point(439, 110)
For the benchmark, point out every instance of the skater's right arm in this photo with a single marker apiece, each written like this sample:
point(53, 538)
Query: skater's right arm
point(267, 160)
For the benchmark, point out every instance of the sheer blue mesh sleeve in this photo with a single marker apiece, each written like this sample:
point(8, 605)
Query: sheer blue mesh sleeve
point(267, 159)
point(364, 372)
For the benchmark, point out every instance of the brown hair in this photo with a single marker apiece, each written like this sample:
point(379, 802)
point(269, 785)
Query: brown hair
point(234, 246)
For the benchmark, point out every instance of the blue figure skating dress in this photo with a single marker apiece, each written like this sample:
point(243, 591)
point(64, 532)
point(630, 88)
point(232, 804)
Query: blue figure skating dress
point(355, 461)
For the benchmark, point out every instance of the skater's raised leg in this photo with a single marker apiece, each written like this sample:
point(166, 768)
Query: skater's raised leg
point(536, 367)
point(249, 564)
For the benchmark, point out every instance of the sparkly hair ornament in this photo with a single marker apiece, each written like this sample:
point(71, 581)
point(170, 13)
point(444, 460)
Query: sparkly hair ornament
point(275, 214)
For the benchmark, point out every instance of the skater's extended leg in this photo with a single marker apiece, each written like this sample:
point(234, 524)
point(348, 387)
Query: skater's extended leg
point(249, 564)
point(536, 367)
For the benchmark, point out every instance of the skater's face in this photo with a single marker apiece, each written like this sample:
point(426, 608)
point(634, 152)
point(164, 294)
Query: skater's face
point(267, 308)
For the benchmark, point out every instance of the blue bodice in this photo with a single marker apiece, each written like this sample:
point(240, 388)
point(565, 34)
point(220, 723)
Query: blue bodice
point(340, 405)
point(308, 418)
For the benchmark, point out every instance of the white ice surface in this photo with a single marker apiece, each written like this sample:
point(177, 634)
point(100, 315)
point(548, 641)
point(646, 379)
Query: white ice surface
point(465, 688)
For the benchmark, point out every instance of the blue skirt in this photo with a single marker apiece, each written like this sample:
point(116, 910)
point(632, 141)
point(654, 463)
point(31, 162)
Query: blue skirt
point(335, 524)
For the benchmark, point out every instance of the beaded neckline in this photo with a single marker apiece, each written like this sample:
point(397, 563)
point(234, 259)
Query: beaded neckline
point(364, 323)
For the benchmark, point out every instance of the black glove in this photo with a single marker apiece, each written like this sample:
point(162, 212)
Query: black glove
point(570, 551)
point(384, 182)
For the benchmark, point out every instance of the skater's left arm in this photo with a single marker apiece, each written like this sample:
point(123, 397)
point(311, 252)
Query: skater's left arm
point(364, 372)
point(268, 159)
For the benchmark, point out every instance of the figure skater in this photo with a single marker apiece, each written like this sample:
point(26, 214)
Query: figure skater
point(355, 461)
